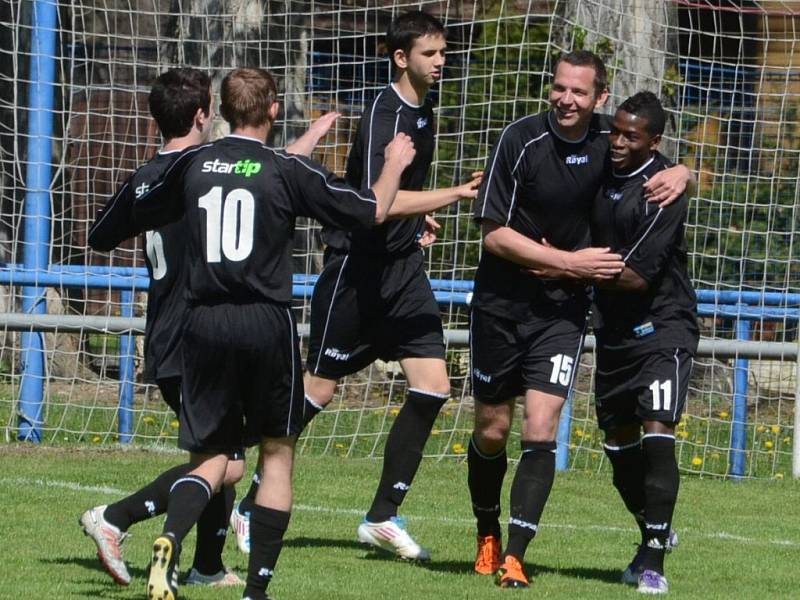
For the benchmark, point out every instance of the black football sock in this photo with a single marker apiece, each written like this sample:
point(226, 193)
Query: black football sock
point(661, 492)
point(212, 527)
point(267, 528)
point(627, 464)
point(485, 480)
point(403, 452)
point(150, 501)
point(248, 502)
point(529, 492)
point(310, 410)
point(187, 500)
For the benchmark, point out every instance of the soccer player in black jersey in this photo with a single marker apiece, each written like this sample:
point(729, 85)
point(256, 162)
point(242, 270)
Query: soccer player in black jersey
point(373, 298)
point(241, 372)
point(527, 331)
point(646, 327)
point(180, 102)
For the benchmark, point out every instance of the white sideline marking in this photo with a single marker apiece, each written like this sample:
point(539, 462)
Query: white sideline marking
point(79, 487)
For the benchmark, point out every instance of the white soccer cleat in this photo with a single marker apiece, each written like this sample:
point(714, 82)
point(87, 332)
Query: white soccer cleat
point(392, 536)
point(224, 578)
point(240, 524)
point(652, 583)
point(108, 540)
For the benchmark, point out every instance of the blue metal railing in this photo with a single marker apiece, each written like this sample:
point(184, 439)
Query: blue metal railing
point(743, 307)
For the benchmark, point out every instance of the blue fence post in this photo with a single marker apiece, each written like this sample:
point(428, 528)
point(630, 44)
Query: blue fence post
point(739, 425)
point(562, 438)
point(35, 253)
point(127, 351)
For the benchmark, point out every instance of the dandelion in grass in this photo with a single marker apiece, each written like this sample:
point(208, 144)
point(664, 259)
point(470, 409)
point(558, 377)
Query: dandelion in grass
point(97, 439)
point(768, 444)
point(340, 445)
point(775, 429)
point(394, 412)
point(787, 440)
point(148, 420)
point(459, 448)
point(174, 423)
point(435, 432)
point(778, 476)
point(579, 432)
point(682, 434)
point(723, 414)
point(761, 429)
point(697, 461)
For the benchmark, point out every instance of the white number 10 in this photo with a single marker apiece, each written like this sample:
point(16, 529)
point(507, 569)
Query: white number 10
point(229, 224)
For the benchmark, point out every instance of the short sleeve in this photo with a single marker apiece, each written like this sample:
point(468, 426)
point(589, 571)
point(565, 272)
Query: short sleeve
point(163, 203)
point(114, 223)
point(656, 238)
point(316, 192)
point(495, 200)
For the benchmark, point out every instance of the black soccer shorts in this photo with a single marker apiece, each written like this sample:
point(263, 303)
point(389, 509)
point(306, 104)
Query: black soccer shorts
point(631, 389)
point(242, 377)
point(509, 357)
point(170, 388)
point(370, 307)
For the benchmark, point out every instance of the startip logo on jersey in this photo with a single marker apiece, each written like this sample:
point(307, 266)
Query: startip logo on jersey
point(577, 159)
point(421, 122)
point(614, 195)
point(247, 167)
point(142, 189)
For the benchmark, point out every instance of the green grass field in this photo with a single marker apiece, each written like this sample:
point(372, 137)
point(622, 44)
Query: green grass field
point(738, 539)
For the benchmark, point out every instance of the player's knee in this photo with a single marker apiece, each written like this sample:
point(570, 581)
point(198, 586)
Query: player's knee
point(491, 438)
point(319, 390)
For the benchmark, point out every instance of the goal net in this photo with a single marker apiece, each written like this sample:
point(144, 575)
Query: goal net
point(726, 76)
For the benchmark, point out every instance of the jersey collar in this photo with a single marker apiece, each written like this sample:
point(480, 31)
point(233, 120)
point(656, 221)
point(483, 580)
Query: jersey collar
point(244, 137)
point(554, 129)
point(636, 172)
point(406, 102)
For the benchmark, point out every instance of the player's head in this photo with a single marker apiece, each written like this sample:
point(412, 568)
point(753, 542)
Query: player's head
point(248, 98)
point(417, 44)
point(180, 102)
point(636, 131)
point(579, 86)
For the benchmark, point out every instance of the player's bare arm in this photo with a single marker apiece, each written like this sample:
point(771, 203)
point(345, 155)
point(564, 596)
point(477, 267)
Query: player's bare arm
point(399, 154)
point(305, 144)
point(409, 203)
point(627, 281)
point(667, 186)
point(589, 263)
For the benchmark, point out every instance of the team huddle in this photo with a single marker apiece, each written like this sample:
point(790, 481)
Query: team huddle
point(581, 218)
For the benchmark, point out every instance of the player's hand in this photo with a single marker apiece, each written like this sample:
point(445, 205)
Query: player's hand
point(470, 189)
point(595, 263)
point(428, 235)
point(322, 126)
point(598, 264)
point(400, 151)
point(667, 186)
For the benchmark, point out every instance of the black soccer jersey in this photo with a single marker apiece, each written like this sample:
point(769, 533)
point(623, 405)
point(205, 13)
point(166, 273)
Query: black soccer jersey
point(651, 241)
point(240, 199)
point(542, 186)
point(164, 257)
point(387, 115)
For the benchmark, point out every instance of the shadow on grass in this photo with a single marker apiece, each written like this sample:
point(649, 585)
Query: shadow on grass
point(93, 564)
